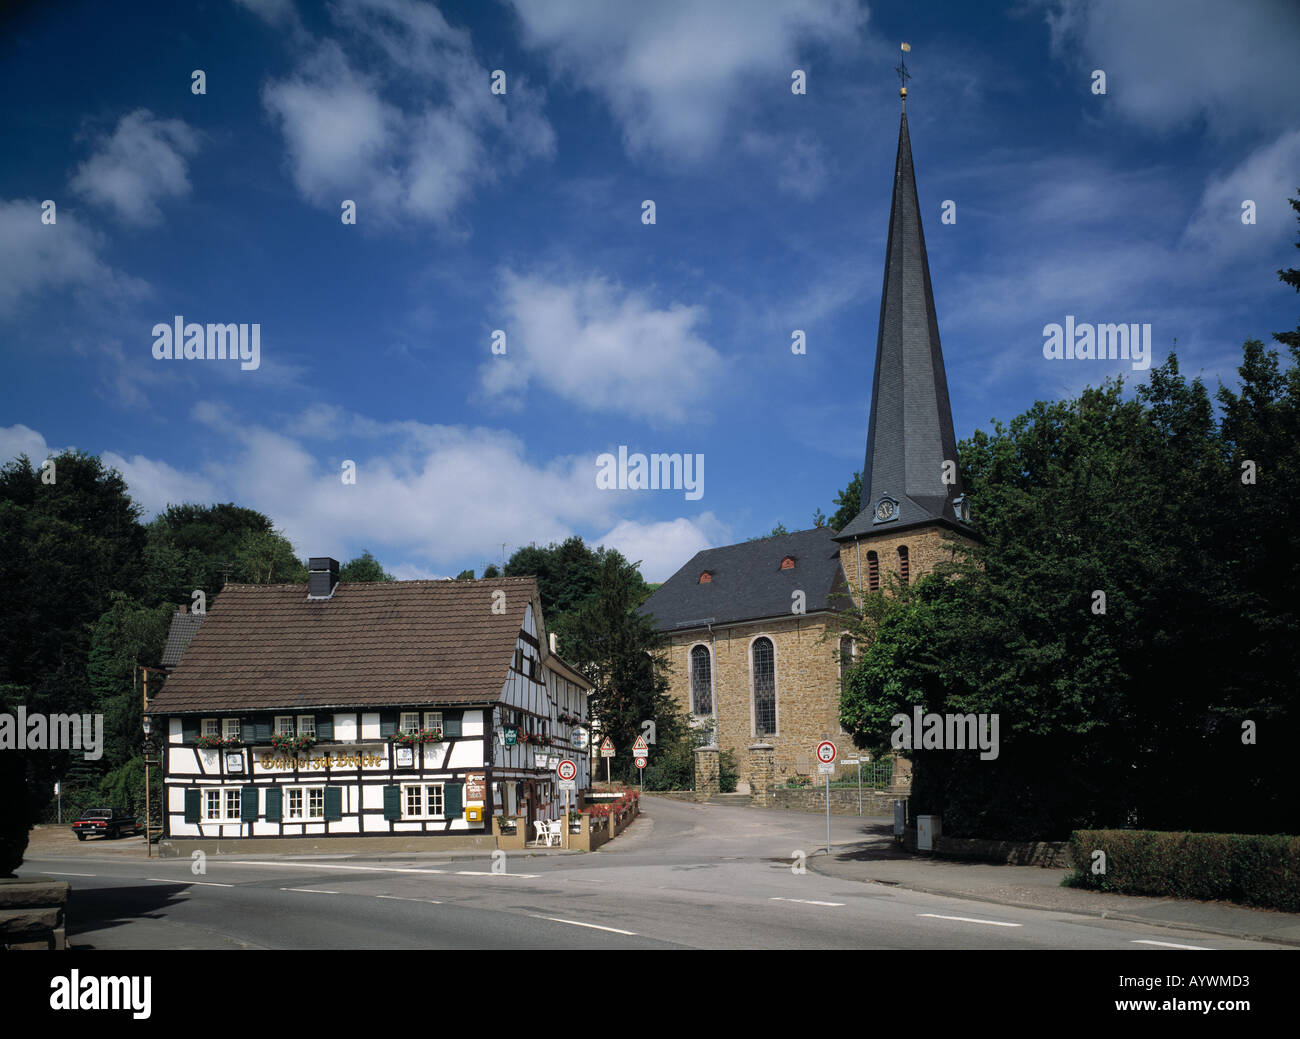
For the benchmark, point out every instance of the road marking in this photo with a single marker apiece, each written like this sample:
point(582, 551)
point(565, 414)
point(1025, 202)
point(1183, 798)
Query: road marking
point(318, 865)
point(56, 873)
point(489, 873)
point(804, 901)
point(309, 890)
point(200, 883)
point(579, 923)
point(1170, 945)
point(971, 920)
point(399, 898)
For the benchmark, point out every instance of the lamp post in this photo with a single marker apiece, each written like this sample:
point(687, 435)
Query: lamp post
point(148, 747)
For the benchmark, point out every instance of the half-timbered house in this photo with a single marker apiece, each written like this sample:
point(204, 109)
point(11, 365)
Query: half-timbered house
point(368, 708)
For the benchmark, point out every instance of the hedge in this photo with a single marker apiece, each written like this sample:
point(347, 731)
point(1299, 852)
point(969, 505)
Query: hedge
point(1254, 870)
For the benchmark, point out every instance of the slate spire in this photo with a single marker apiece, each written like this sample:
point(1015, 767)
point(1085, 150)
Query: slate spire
point(909, 432)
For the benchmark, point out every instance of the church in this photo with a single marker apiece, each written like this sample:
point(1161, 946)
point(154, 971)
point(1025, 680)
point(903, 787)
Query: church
point(753, 630)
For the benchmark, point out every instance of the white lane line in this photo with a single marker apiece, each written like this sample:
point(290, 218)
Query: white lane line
point(579, 923)
point(399, 898)
point(56, 873)
point(971, 920)
point(199, 883)
point(318, 865)
point(804, 901)
point(309, 890)
point(488, 873)
point(1170, 945)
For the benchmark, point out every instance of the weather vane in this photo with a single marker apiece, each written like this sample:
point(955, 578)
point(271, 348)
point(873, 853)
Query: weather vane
point(903, 74)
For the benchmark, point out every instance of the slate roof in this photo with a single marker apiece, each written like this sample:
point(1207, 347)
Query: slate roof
point(909, 432)
point(749, 584)
point(184, 625)
point(372, 644)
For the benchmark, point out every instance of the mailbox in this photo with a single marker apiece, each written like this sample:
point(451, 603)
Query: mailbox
point(474, 813)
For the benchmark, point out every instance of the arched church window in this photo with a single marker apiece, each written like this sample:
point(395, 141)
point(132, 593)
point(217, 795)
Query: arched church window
point(701, 681)
point(904, 569)
point(764, 687)
point(873, 572)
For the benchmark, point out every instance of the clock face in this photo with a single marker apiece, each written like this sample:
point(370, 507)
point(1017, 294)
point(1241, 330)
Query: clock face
point(884, 510)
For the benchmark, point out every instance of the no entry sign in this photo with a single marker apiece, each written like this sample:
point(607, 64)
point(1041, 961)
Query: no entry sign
point(826, 752)
point(566, 769)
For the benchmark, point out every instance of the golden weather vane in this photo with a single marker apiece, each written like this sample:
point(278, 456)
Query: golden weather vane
point(903, 74)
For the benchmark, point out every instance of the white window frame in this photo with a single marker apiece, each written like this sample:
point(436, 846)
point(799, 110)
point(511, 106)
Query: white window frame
point(284, 725)
point(308, 729)
point(306, 795)
point(409, 721)
point(425, 799)
point(229, 795)
point(433, 720)
point(210, 727)
point(230, 728)
point(208, 816)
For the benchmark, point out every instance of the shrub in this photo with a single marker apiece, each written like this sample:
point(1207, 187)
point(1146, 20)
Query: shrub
point(728, 772)
point(1256, 870)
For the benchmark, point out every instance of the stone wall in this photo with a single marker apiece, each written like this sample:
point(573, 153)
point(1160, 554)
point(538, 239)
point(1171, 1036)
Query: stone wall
point(926, 546)
point(33, 912)
point(844, 801)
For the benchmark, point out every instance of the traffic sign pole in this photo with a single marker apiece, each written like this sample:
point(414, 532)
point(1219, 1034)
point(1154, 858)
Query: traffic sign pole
point(828, 813)
point(859, 786)
point(826, 753)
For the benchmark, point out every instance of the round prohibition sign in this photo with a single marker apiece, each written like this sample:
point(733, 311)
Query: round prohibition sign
point(826, 752)
point(566, 769)
point(639, 762)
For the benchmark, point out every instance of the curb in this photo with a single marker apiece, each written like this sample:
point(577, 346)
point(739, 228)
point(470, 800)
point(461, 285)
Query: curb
point(1101, 914)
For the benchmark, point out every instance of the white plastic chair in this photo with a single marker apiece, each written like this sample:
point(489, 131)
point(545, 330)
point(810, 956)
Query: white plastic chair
point(543, 832)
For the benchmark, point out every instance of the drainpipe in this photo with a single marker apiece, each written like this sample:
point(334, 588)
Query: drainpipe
point(717, 729)
point(857, 547)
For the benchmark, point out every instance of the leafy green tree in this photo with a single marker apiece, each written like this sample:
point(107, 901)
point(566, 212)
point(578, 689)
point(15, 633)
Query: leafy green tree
point(849, 502)
point(266, 557)
point(196, 546)
point(776, 531)
point(364, 567)
point(127, 634)
point(465, 575)
point(1291, 276)
point(492, 570)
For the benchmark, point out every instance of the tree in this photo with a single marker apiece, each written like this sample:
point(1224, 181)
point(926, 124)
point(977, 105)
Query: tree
point(776, 531)
point(364, 567)
point(849, 502)
point(194, 547)
point(266, 557)
point(492, 570)
point(1291, 276)
point(465, 575)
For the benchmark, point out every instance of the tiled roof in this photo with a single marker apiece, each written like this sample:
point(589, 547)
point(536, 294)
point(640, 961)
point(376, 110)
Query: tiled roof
point(371, 644)
point(184, 625)
point(747, 582)
point(910, 431)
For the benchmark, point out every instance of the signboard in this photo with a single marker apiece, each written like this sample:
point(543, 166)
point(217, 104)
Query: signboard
point(567, 770)
point(640, 748)
point(826, 752)
point(405, 757)
point(511, 733)
point(312, 760)
point(542, 760)
point(571, 785)
point(606, 748)
point(826, 770)
point(234, 761)
point(475, 786)
point(851, 761)
point(639, 762)
point(580, 738)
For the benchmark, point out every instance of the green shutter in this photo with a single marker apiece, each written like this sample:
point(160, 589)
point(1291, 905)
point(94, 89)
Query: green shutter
point(325, 726)
point(453, 804)
point(190, 731)
point(333, 804)
point(387, 724)
point(193, 805)
point(274, 804)
point(451, 723)
point(393, 803)
point(262, 732)
point(248, 804)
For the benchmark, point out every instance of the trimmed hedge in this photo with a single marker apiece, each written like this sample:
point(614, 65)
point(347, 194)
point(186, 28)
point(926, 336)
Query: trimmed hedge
point(1254, 870)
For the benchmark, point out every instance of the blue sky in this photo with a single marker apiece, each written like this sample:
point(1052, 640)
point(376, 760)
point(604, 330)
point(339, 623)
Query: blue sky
point(523, 212)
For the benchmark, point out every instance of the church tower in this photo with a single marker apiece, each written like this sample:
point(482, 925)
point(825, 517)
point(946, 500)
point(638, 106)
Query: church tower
point(913, 502)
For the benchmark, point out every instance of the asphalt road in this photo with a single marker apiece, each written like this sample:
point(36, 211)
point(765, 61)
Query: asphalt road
point(685, 876)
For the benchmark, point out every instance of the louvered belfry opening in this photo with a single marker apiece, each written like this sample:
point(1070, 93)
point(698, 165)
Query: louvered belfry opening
point(904, 570)
point(873, 572)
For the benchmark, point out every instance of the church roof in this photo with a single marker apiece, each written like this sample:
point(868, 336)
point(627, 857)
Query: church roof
point(909, 432)
point(747, 582)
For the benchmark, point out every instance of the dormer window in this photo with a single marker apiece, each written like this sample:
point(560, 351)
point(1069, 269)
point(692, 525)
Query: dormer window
point(706, 577)
point(787, 563)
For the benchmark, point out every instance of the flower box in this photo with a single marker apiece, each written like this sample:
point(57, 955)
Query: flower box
point(287, 743)
point(415, 739)
point(218, 742)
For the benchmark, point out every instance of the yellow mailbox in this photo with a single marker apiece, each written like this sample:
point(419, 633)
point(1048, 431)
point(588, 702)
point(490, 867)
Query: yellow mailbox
point(474, 813)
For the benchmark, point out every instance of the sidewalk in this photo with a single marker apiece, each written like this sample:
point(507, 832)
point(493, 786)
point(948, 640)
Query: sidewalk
point(880, 860)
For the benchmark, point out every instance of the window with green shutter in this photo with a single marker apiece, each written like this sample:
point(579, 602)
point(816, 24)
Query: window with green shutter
point(262, 731)
point(324, 726)
point(387, 724)
point(393, 803)
point(452, 800)
point(248, 805)
point(333, 804)
point(274, 805)
point(451, 726)
point(190, 731)
point(193, 805)
point(248, 730)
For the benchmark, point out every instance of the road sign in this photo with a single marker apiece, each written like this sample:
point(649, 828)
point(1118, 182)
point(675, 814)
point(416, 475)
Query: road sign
point(826, 770)
point(606, 748)
point(640, 748)
point(639, 762)
point(567, 784)
point(580, 738)
point(567, 769)
point(826, 752)
point(850, 761)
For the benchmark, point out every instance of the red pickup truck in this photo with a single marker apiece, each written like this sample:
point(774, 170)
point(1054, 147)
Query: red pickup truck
point(106, 822)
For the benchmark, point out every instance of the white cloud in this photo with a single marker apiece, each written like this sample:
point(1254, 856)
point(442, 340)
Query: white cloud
point(662, 547)
point(674, 72)
point(602, 348)
point(800, 162)
point(140, 164)
point(19, 440)
point(36, 257)
point(1268, 177)
point(1170, 62)
point(274, 12)
point(154, 485)
point(379, 139)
